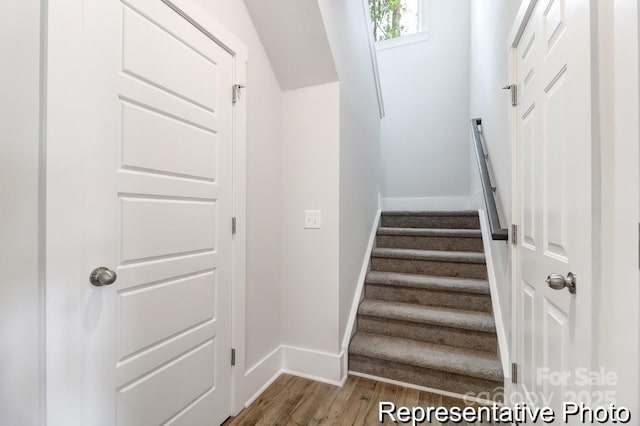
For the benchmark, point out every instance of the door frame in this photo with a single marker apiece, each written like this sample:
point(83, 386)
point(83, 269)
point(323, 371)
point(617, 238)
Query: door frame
point(207, 24)
point(519, 24)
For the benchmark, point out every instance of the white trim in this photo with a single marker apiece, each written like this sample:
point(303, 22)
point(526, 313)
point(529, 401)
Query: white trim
point(427, 203)
point(519, 24)
point(314, 378)
point(42, 212)
point(206, 23)
point(425, 389)
point(515, 197)
point(320, 366)
point(359, 294)
point(260, 391)
point(374, 57)
point(404, 40)
point(503, 347)
point(261, 376)
point(308, 364)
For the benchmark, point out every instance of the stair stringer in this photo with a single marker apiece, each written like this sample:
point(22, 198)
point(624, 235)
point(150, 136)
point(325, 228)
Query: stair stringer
point(359, 294)
point(501, 331)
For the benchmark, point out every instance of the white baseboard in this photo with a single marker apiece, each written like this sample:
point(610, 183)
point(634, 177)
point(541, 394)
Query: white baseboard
point(359, 293)
point(314, 378)
point(259, 377)
point(320, 366)
point(427, 203)
point(495, 297)
point(309, 364)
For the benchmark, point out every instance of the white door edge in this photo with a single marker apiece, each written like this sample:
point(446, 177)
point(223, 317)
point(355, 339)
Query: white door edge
point(513, 253)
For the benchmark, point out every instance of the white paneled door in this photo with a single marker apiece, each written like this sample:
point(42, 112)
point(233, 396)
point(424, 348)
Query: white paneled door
point(554, 140)
point(139, 181)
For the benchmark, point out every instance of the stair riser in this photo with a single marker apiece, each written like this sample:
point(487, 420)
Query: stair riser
point(430, 243)
point(440, 222)
point(480, 341)
point(430, 267)
point(471, 302)
point(434, 379)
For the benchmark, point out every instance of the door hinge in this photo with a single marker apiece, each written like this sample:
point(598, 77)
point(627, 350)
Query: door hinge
point(514, 93)
point(514, 234)
point(236, 92)
point(514, 373)
point(233, 357)
point(234, 225)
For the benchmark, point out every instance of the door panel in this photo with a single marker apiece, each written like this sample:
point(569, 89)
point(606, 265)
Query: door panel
point(144, 131)
point(178, 68)
point(156, 126)
point(528, 332)
point(555, 201)
point(161, 227)
point(143, 321)
point(553, 150)
point(553, 21)
point(529, 183)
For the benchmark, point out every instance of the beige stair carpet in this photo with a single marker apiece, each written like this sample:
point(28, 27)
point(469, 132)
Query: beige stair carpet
point(426, 318)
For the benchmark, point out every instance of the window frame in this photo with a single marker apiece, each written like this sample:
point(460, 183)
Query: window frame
point(423, 34)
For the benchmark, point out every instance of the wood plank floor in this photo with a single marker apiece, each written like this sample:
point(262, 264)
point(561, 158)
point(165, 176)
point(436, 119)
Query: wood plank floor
point(296, 401)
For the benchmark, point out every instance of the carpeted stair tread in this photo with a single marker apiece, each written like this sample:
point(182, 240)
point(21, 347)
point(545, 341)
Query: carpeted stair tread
point(426, 317)
point(427, 282)
point(438, 213)
point(454, 360)
point(431, 232)
point(446, 317)
point(430, 255)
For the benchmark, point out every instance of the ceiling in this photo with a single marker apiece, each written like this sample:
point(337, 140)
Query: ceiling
point(294, 36)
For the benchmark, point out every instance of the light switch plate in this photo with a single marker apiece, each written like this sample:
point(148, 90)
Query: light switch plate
point(312, 219)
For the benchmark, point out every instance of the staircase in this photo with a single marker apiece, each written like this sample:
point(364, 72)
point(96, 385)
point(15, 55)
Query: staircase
point(426, 317)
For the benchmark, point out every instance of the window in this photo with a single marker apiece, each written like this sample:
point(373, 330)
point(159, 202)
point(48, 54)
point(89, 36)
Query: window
point(397, 18)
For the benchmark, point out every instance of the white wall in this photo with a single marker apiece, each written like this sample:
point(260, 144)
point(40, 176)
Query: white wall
point(264, 190)
point(491, 21)
point(309, 259)
point(20, 361)
point(328, 160)
point(425, 134)
point(359, 141)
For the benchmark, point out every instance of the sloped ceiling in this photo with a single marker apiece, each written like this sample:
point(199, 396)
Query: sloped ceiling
point(294, 36)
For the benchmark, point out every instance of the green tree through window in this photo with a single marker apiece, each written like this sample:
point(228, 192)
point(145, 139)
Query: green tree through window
point(386, 18)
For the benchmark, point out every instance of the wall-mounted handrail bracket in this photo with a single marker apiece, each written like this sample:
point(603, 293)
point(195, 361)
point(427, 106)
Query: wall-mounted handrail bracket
point(497, 232)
